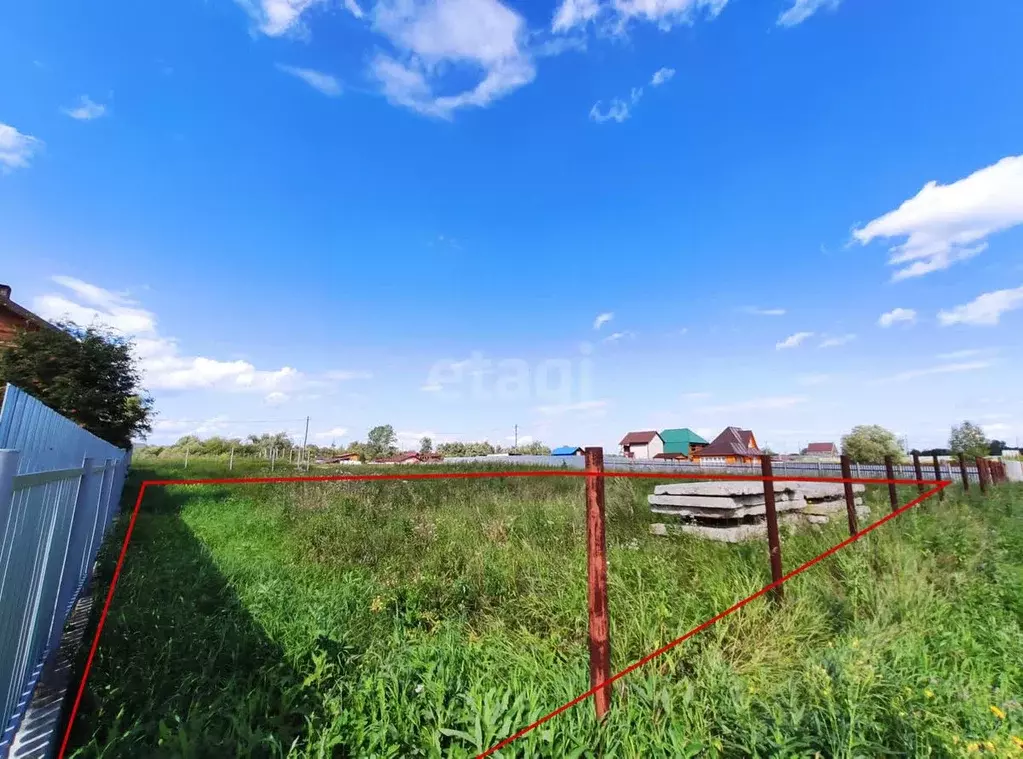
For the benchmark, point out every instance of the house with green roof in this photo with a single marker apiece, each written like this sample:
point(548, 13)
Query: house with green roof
point(681, 442)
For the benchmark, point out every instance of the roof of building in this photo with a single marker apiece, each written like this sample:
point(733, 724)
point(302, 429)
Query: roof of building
point(19, 310)
point(680, 440)
point(669, 455)
point(405, 456)
point(821, 448)
point(733, 441)
point(566, 450)
point(639, 438)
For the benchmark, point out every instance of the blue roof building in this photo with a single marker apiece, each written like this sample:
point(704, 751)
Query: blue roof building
point(567, 450)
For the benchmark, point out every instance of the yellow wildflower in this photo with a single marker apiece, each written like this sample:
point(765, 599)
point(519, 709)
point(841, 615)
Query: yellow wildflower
point(971, 747)
point(377, 605)
point(929, 693)
point(997, 712)
point(1017, 741)
point(989, 745)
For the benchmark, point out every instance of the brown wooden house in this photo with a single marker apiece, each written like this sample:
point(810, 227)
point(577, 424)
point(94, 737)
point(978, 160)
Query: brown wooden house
point(733, 446)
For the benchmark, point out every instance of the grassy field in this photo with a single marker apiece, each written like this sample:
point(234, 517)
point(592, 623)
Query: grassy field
point(434, 618)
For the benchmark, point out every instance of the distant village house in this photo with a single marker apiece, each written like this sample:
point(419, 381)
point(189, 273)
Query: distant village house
point(642, 445)
point(733, 446)
point(568, 450)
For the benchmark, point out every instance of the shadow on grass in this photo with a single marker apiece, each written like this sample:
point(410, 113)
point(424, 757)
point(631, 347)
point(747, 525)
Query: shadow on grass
point(182, 669)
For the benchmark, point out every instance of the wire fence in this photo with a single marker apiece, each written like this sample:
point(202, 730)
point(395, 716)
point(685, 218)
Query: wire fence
point(59, 491)
point(949, 470)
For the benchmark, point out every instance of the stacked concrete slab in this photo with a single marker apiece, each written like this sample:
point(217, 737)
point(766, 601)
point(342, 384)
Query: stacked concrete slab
point(734, 511)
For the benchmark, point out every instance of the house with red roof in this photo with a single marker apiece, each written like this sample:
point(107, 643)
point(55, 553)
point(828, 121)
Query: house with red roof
point(821, 450)
point(733, 446)
point(645, 444)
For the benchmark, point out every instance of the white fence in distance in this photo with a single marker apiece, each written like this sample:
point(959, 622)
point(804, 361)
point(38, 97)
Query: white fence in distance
point(949, 470)
point(59, 491)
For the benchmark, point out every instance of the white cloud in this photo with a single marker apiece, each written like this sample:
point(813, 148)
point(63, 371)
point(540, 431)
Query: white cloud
point(801, 10)
point(967, 353)
point(335, 432)
point(992, 429)
point(969, 366)
point(944, 224)
point(86, 110)
point(661, 76)
point(162, 363)
point(664, 13)
point(985, 310)
point(793, 340)
point(279, 17)
point(325, 83)
point(757, 404)
point(834, 342)
point(592, 408)
point(574, 13)
point(436, 36)
point(603, 319)
point(897, 315)
point(16, 148)
point(432, 387)
point(765, 311)
point(343, 375)
point(614, 337)
point(276, 398)
point(617, 111)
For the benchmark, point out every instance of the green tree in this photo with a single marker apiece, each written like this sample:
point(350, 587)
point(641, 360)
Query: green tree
point(969, 439)
point(870, 443)
point(536, 448)
point(89, 375)
point(381, 441)
point(425, 446)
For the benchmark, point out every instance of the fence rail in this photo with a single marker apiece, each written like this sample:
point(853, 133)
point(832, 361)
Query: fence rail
point(59, 490)
point(949, 469)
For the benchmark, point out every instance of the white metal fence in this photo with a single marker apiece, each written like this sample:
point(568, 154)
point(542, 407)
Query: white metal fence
point(949, 470)
point(59, 491)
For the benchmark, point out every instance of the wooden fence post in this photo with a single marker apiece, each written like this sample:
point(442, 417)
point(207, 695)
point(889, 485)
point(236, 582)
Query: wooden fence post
point(919, 474)
point(964, 472)
point(981, 475)
point(773, 540)
point(230, 465)
point(850, 503)
point(937, 476)
point(889, 472)
point(596, 561)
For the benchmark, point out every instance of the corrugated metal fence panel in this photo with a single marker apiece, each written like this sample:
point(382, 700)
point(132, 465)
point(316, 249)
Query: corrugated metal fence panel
point(59, 490)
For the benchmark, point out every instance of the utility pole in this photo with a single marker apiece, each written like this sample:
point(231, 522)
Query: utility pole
point(305, 442)
point(516, 436)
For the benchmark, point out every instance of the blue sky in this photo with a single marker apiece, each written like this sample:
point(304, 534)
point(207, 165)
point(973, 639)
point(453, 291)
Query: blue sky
point(346, 209)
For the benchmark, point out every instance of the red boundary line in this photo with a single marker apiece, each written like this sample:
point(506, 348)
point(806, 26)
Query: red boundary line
point(940, 485)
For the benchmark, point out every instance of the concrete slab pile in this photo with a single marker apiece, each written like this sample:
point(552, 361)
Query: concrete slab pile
point(735, 511)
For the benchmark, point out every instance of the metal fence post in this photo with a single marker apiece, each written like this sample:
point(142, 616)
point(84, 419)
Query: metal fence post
point(981, 475)
point(850, 503)
point(937, 476)
point(80, 506)
point(596, 561)
point(919, 474)
point(8, 469)
point(773, 540)
point(889, 471)
point(963, 472)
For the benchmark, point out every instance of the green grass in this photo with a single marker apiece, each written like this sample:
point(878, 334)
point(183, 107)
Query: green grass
point(433, 618)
